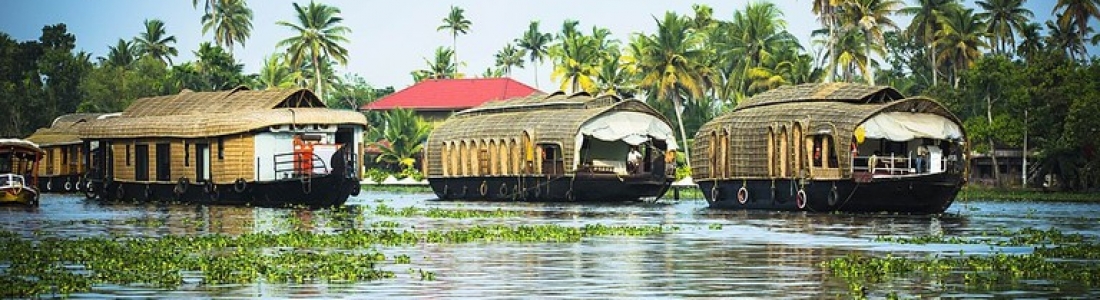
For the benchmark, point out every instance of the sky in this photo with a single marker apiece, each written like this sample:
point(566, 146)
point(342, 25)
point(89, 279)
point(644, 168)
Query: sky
point(390, 39)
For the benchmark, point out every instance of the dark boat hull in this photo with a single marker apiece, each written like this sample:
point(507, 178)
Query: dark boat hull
point(926, 194)
point(580, 187)
point(62, 183)
point(318, 191)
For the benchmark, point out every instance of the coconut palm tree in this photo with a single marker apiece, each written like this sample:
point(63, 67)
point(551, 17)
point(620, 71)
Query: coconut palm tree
point(1032, 40)
point(871, 17)
point(318, 38)
point(1004, 19)
point(122, 54)
point(208, 5)
point(401, 138)
point(441, 67)
point(277, 73)
point(536, 44)
point(668, 64)
point(925, 24)
point(1078, 13)
point(576, 58)
point(231, 21)
point(752, 37)
point(1065, 36)
point(827, 12)
point(153, 42)
point(456, 23)
point(509, 57)
point(962, 37)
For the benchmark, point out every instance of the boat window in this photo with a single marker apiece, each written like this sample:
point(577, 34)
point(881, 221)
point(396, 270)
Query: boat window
point(49, 161)
point(221, 147)
point(127, 154)
point(551, 159)
point(714, 156)
point(164, 162)
point(494, 158)
point(783, 158)
point(502, 154)
point(771, 152)
point(444, 152)
point(141, 162)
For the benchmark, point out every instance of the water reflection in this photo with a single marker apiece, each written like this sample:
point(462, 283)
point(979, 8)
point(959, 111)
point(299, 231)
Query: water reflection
point(714, 253)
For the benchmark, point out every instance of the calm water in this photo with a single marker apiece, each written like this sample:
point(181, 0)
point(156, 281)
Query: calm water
point(726, 254)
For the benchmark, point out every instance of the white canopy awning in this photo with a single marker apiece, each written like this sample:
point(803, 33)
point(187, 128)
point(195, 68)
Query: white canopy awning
point(631, 127)
point(905, 126)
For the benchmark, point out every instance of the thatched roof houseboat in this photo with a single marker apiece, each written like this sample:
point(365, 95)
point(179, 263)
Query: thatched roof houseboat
point(271, 148)
point(554, 147)
point(63, 167)
point(832, 147)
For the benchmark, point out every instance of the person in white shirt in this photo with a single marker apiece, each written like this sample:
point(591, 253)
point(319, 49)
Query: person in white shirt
point(634, 160)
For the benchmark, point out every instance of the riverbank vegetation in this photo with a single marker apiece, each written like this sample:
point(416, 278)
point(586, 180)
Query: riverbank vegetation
point(972, 192)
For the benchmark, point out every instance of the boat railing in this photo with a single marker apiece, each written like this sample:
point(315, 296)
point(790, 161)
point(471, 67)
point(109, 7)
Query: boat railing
point(294, 163)
point(884, 164)
point(12, 180)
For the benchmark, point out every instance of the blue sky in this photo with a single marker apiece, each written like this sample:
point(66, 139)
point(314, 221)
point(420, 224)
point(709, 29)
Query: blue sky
point(389, 39)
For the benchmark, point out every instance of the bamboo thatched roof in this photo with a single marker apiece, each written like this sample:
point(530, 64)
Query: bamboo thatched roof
point(202, 114)
point(834, 109)
point(555, 118)
point(65, 130)
point(19, 145)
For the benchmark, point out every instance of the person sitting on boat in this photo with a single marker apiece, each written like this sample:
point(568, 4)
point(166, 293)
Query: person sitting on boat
point(872, 162)
point(634, 160)
point(922, 151)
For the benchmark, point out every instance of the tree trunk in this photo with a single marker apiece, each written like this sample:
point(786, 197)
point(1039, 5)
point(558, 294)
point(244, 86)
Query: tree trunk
point(992, 147)
point(454, 53)
point(317, 77)
point(830, 68)
point(677, 107)
point(536, 73)
point(870, 70)
point(932, 59)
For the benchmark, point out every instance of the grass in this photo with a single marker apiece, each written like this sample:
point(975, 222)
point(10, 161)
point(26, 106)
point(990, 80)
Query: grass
point(971, 192)
point(410, 189)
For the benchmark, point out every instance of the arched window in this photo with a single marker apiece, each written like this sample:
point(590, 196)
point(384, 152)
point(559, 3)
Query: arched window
point(502, 152)
point(724, 150)
point(714, 155)
point(784, 159)
point(517, 157)
point(464, 157)
point(444, 152)
point(771, 152)
point(799, 151)
point(494, 158)
point(529, 154)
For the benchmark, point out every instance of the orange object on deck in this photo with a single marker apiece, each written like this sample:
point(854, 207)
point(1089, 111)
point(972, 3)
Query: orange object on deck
point(303, 156)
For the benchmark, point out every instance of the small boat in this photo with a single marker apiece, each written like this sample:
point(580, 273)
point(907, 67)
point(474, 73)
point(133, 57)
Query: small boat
point(18, 160)
point(553, 147)
point(832, 147)
point(270, 148)
point(63, 166)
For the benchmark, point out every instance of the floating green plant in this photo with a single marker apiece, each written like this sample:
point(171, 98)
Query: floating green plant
point(412, 211)
point(1023, 237)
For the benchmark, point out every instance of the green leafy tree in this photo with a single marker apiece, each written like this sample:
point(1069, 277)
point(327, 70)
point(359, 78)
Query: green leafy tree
point(156, 42)
point(1031, 41)
point(456, 23)
point(1065, 37)
point(509, 57)
point(927, 15)
point(122, 54)
point(668, 64)
point(871, 17)
point(353, 92)
point(231, 21)
point(1077, 13)
point(537, 46)
point(401, 137)
point(215, 70)
point(440, 67)
point(110, 88)
point(576, 58)
point(318, 36)
point(962, 37)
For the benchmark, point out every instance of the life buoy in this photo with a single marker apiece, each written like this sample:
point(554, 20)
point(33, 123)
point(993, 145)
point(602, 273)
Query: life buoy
point(181, 186)
point(208, 187)
point(120, 193)
point(88, 186)
point(832, 196)
point(49, 185)
point(240, 185)
point(307, 186)
point(742, 195)
point(714, 193)
point(483, 189)
point(68, 186)
point(800, 199)
point(503, 192)
point(445, 187)
point(569, 195)
point(148, 192)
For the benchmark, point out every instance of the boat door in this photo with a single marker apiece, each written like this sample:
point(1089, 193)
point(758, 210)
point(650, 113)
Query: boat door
point(552, 162)
point(202, 162)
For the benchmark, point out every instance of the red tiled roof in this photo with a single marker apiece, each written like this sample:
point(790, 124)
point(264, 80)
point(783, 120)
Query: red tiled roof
point(452, 94)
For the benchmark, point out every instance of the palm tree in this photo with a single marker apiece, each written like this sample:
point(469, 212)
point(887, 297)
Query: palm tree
point(827, 13)
point(925, 24)
point(510, 57)
point(153, 42)
point(318, 37)
point(577, 58)
point(616, 74)
point(440, 68)
point(208, 5)
point(962, 37)
point(668, 65)
point(1004, 18)
point(231, 21)
point(1065, 36)
point(752, 36)
point(401, 138)
point(871, 16)
point(1077, 12)
point(122, 54)
point(535, 43)
point(1032, 40)
point(456, 23)
point(277, 73)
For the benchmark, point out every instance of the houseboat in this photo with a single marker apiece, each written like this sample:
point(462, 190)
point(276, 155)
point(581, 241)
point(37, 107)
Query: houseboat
point(62, 168)
point(264, 148)
point(832, 147)
point(18, 160)
point(554, 147)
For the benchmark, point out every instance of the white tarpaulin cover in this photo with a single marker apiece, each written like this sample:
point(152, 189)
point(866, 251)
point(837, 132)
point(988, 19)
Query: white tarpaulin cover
point(904, 126)
point(631, 127)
